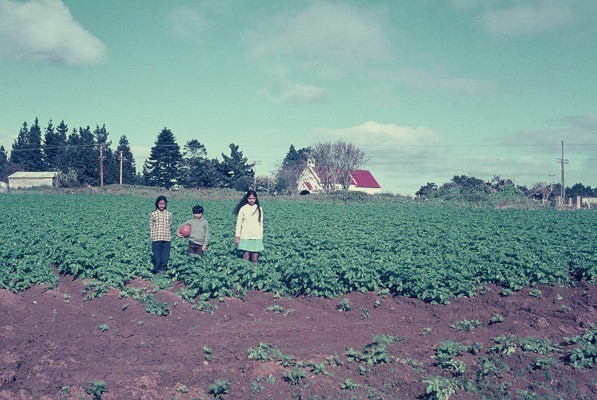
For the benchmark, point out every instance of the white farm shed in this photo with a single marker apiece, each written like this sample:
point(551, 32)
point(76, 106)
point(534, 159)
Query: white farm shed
point(23, 180)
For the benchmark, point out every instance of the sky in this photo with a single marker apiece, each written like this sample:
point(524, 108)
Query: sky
point(428, 89)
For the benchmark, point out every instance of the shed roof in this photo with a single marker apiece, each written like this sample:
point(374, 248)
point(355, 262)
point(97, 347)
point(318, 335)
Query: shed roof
point(364, 178)
point(30, 175)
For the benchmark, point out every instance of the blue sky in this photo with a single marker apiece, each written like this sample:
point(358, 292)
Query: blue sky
point(428, 89)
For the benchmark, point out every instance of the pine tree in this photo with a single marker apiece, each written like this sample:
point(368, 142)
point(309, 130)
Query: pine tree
point(129, 170)
point(54, 145)
point(19, 148)
point(234, 171)
point(81, 157)
point(291, 169)
point(3, 165)
point(162, 167)
point(62, 132)
point(197, 170)
point(35, 155)
point(26, 154)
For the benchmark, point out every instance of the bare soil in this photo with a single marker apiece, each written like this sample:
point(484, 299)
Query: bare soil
point(56, 345)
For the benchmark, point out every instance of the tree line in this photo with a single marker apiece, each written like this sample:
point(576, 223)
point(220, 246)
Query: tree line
point(75, 155)
point(469, 188)
point(85, 157)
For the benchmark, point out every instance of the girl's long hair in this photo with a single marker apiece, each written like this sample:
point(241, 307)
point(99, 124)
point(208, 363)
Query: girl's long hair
point(244, 201)
point(160, 198)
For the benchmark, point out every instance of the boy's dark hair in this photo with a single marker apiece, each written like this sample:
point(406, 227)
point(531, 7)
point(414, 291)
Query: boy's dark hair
point(160, 198)
point(197, 210)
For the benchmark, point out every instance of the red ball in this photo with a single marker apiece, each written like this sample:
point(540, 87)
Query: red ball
point(185, 230)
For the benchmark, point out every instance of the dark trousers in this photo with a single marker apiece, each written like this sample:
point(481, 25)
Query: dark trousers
point(161, 255)
point(195, 248)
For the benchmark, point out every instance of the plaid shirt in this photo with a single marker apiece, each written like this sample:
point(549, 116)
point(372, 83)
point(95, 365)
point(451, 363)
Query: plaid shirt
point(160, 224)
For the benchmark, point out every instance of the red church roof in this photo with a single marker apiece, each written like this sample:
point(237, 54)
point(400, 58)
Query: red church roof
point(363, 178)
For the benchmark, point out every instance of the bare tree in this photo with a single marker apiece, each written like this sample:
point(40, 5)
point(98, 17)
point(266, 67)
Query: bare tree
point(335, 161)
point(542, 190)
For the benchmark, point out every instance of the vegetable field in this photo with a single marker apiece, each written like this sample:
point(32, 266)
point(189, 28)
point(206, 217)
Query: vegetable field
point(351, 300)
point(316, 249)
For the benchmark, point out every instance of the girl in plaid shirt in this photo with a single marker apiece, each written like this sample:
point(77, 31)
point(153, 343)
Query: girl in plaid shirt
point(160, 231)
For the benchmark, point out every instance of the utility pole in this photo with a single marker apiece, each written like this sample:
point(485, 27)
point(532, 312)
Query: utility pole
point(121, 158)
point(101, 158)
point(562, 162)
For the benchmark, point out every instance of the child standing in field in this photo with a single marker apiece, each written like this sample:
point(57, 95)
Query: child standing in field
point(160, 232)
point(249, 226)
point(199, 232)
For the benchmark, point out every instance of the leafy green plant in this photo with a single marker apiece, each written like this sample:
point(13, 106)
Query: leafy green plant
point(583, 356)
point(95, 389)
point(536, 293)
point(318, 368)
point(262, 352)
point(456, 367)
point(266, 352)
point(537, 345)
point(294, 376)
point(103, 327)
point(364, 313)
point(373, 353)
point(344, 305)
point(466, 325)
point(348, 384)
point(496, 319)
point(491, 367)
point(219, 387)
point(503, 345)
point(154, 306)
point(565, 309)
point(543, 363)
point(207, 353)
point(439, 388)
point(426, 331)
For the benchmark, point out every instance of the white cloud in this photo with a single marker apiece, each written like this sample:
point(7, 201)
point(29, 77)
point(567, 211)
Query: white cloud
point(187, 23)
point(330, 35)
point(527, 18)
point(387, 144)
point(373, 133)
point(45, 31)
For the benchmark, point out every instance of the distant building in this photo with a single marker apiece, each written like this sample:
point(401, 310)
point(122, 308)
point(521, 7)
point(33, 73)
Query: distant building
point(23, 180)
point(309, 180)
point(3, 187)
point(361, 180)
